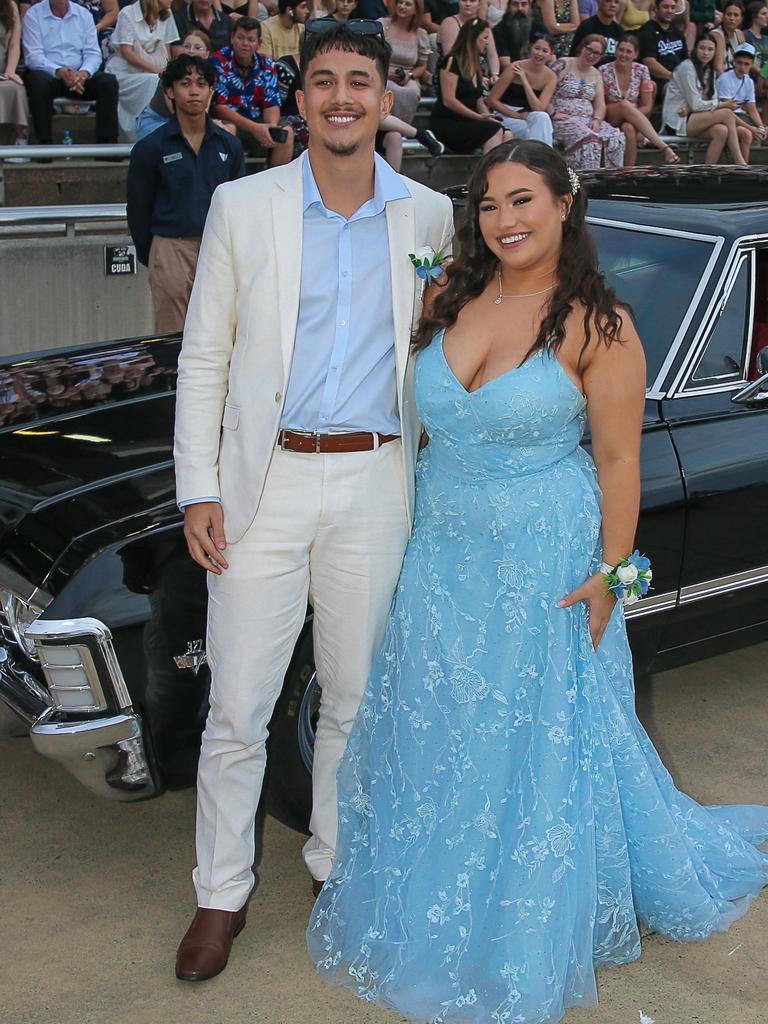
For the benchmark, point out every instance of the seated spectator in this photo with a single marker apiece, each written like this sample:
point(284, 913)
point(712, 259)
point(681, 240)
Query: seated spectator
point(435, 13)
point(737, 84)
point(460, 119)
point(728, 35)
point(449, 30)
point(579, 110)
point(756, 33)
point(157, 113)
point(702, 17)
point(283, 33)
point(62, 56)
point(587, 8)
point(408, 61)
point(170, 187)
point(523, 93)
point(247, 9)
point(13, 99)
point(514, 33)
point(604, 24)
point(371, 9)
point(633, 14)
point(345, 9)
point(247, 93)
point(143, 36)
point(662, 45)
point(561, 18)
point(691, 106)
point(201, 14)
point(629, 95)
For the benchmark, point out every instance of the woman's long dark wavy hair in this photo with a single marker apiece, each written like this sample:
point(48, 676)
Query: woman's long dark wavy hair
point(578, 278)
point(705, 73)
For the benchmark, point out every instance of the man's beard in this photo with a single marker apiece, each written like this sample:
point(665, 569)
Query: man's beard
point(519, 29)
point(342, 148)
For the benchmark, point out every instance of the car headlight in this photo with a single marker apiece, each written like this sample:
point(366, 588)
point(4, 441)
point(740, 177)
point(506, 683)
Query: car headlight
point(18, 617)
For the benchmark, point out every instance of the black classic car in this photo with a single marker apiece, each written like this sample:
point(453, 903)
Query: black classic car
point(103, 612)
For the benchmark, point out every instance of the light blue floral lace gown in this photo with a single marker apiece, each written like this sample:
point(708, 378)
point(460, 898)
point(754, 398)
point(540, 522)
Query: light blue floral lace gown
point(504, 818)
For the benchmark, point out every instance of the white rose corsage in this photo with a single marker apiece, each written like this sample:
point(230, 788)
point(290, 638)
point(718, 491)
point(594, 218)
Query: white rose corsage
point(630, 579)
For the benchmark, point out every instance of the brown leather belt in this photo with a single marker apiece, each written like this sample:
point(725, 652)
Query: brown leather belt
point(296, 441)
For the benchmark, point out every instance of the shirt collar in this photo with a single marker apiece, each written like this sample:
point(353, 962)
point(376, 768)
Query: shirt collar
point(174, 128)
point(71, 12)
point(388, 186)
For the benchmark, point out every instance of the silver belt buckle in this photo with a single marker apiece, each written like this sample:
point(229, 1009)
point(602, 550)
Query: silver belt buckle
point(317, 443)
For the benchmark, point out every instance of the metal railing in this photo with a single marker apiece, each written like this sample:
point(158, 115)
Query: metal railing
point(62, 220)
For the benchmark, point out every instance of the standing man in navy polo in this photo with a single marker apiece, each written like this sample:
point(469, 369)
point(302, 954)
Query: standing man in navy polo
point(171, 180)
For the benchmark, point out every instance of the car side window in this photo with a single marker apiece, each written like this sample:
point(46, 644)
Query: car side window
point(724, 352)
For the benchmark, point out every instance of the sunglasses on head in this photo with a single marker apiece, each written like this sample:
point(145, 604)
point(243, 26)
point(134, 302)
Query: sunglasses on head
point(362, 26)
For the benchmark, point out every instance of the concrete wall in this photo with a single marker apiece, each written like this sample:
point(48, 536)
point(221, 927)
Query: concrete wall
point(53, 292)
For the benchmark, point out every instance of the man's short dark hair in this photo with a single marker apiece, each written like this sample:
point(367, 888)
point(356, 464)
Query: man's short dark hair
point(342, 37)
point(180, 67)
point(247, 25)
point(283, 5)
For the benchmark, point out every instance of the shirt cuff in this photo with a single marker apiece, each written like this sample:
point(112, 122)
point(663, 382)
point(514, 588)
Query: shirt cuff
point(197, 501)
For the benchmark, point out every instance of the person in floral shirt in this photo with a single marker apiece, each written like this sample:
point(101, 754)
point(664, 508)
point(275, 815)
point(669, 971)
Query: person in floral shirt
point(247, 93)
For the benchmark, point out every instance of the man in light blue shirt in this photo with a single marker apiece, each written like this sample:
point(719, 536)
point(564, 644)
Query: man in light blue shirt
point(295, 447)
point(63, 58)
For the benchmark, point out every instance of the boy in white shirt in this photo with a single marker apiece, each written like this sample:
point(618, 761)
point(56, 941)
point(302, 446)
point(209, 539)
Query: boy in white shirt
point(738, 85)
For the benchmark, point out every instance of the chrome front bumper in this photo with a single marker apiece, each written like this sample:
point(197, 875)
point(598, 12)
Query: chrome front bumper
point(106, 751)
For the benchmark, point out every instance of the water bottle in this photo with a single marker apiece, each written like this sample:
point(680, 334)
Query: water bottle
point(66, 139)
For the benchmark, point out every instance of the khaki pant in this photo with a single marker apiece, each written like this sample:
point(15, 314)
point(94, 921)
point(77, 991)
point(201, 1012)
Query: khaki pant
point(172, 264)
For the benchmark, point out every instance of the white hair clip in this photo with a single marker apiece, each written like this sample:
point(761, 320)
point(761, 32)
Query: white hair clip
point(573, 178)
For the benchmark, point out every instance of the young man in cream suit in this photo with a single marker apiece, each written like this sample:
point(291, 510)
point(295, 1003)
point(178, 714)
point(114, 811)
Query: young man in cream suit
point(296, 438)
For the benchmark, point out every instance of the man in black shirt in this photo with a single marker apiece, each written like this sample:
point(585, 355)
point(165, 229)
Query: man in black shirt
point(662, 46)
point(436, 11)
point(515, 31)
point(602, 24)
point(171, 180)
point(201, 14)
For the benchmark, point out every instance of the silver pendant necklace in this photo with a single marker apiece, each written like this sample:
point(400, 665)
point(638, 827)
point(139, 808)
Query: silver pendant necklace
point(522, 295)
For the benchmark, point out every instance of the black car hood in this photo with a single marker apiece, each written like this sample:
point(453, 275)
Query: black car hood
point(87, 440)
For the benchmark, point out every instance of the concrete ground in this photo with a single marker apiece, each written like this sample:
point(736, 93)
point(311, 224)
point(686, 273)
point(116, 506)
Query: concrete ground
point(95, 896)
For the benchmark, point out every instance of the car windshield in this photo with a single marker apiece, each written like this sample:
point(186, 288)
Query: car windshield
point(657, 275)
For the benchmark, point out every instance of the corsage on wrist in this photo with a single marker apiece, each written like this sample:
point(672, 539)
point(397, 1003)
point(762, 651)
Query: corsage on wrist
point(630, 579)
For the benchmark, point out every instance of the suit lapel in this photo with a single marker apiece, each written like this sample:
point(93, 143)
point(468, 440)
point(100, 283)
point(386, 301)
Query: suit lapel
point(401, 230)
point(288, 233)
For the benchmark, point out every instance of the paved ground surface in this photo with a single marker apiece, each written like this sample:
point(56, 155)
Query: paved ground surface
point(94, 896)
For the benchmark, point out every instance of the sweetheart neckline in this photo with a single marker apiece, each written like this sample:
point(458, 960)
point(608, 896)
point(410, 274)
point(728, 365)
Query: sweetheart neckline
point(506, 373)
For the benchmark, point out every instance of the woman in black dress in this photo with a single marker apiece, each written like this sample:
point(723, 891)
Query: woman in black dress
point(460, 118)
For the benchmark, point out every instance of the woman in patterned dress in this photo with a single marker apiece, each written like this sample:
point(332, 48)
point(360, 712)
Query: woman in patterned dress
point(410, 52)
point(579, 110)
point(629, 99)
point(560, 18)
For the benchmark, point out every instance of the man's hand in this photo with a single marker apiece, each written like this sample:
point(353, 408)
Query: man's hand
point(67, 75)
point(260, 132)
point(204, 533)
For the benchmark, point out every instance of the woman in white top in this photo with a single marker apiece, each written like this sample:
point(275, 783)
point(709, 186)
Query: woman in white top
point(728, 36)
point(143, 37)
point(691, 106)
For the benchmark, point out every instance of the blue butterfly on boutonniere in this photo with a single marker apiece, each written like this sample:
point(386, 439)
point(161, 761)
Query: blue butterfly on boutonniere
point(429, 265)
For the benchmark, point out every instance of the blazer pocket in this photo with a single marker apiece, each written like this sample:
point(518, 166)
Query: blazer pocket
point(231, 417)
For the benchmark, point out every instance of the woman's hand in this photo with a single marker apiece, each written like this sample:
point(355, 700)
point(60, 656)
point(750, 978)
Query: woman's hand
point(600, 605)
point(595, 124)
point(14, 77)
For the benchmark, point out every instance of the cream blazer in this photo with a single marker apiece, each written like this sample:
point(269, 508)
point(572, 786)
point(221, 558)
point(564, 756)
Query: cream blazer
point(239, 334)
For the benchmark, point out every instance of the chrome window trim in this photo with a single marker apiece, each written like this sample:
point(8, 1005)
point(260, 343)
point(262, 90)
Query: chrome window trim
point(656, 390)
point(723, 585)
point(649, 605)
point(683, 385)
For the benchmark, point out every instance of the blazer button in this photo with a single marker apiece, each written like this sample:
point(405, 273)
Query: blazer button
point(278, 397)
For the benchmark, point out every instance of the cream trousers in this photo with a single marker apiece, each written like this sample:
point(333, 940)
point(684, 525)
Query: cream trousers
point(330, 529)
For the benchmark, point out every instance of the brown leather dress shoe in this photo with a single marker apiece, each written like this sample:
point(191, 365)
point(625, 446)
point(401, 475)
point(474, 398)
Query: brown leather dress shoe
point(204, 950)
point(317, 887)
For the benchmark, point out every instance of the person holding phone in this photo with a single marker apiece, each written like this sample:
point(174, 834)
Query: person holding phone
point(171, 179)
point(247, 94)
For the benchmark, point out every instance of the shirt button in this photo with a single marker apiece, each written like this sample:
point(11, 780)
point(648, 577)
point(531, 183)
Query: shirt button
point(278, 396)
point(345, 273)
point(342, 323)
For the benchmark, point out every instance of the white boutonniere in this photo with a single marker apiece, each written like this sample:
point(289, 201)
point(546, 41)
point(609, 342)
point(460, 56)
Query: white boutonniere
point(429, 265)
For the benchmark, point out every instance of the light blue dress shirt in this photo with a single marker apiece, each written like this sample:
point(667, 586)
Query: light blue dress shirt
point(51, 43)
point(343, 375)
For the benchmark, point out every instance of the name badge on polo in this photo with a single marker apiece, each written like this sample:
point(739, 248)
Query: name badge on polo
point(171, 157)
